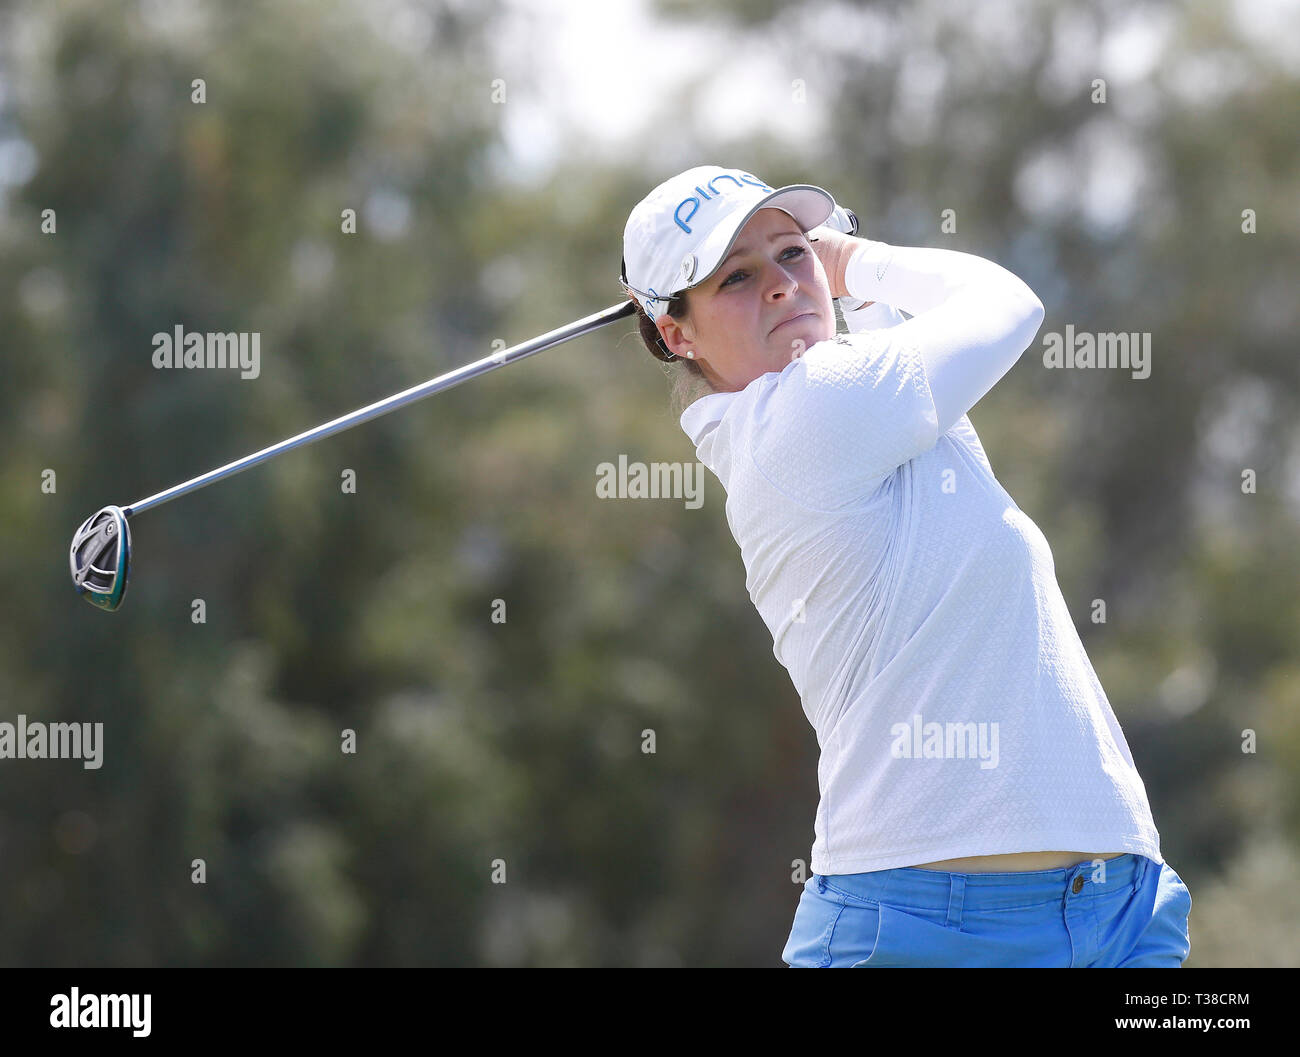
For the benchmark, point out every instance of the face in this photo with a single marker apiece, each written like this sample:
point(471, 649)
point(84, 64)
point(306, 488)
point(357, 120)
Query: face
point(763, 307)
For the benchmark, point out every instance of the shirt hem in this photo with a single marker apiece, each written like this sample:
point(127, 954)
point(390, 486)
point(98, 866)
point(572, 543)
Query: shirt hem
point(829, 866)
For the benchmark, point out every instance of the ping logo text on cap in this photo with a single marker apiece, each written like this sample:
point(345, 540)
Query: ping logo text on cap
point(745, 178)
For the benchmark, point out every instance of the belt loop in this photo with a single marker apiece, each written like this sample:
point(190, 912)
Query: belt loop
point(956, 897)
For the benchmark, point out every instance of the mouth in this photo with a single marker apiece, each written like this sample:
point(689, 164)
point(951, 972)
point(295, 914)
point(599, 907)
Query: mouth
point(791, 319)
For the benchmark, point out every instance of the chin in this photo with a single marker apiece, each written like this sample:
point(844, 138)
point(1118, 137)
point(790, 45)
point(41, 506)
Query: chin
point(796, 344)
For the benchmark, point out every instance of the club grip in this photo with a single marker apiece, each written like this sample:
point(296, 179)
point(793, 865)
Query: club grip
point(844, 220)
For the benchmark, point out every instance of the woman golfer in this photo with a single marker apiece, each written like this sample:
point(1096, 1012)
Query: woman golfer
point(979, 804)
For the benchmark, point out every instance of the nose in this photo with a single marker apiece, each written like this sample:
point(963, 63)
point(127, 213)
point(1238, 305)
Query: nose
point(780, 284)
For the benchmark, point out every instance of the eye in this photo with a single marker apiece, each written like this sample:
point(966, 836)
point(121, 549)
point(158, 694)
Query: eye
point(790, 253)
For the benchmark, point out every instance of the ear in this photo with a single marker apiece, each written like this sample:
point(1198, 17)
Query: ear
point(678, 335)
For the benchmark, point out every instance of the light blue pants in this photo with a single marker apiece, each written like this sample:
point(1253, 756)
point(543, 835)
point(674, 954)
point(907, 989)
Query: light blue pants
point(1133, 914)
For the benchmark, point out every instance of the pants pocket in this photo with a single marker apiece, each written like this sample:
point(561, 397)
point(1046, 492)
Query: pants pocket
point(830, 931)
point(904, 940)
point(1165, 940)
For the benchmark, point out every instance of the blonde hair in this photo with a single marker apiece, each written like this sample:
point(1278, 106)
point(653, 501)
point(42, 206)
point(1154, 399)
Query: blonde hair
point(686, 380)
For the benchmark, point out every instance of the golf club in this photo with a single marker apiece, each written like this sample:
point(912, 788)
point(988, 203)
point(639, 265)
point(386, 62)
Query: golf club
point(100, 556)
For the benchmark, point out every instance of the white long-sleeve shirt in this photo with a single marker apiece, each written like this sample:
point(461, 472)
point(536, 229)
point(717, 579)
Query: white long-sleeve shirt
point(914, 604)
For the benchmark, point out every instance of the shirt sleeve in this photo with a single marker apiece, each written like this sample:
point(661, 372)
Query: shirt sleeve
point(850, 411)
point(971, 319)
point(842, 417)
point(875, 316)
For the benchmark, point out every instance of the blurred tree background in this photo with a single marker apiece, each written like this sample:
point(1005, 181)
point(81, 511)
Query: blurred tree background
point(519, 743)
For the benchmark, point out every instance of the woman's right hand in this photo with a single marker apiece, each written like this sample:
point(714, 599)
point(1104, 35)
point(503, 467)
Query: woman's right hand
point(834, 249)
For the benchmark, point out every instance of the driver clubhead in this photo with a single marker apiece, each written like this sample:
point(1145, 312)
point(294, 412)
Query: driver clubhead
point(100, 558)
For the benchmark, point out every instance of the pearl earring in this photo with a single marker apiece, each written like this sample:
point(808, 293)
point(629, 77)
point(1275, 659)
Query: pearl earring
point(690, 354)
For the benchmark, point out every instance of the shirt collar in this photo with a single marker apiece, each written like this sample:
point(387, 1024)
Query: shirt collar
point(705, 413)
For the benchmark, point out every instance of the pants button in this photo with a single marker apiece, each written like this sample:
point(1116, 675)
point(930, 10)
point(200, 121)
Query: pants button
point(1077, 887)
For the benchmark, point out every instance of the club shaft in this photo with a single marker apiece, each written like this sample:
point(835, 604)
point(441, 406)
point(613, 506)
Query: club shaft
point(392, 403)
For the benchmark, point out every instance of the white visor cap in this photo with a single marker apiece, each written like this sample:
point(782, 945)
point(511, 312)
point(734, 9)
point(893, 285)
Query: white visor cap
point(682, 230)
